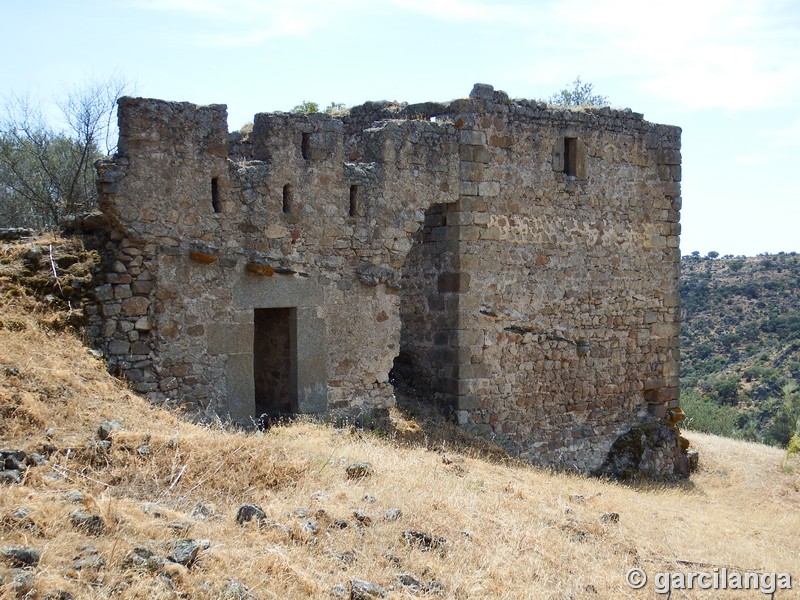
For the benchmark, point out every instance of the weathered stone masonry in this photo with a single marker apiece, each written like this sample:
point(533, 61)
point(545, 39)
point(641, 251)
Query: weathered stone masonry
point(516, 262)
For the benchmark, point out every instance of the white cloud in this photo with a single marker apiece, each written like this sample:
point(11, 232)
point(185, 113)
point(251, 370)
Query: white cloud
point(739, 54)
point(781, 139)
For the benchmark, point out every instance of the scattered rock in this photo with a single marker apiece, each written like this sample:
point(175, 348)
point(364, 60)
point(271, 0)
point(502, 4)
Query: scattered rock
point(180, 526)
point(248, 512)
point(392, 559)
point(184, 552)
point(340, 524)
point(339, 591)
point(410, 582)
point(348, 557)
point(431, 587)
point(107, 428)
point(369, 498)
point(36, 460)
point(423, 541)
point(610, 517)
point(88, 558)
point(144, 559)
point(310, 526)
point(74, 496)
point(203, 511)
point(20, 556)
point(12, 460)
point(393, 514)
point(362, 517)
point(236, 590)
point(20, 518)
point(363, 590)
point(359, 470)
point(10, 477)
point(577, 499)
point(87, 522)
point(693, 457)
point(10, 234)
point(18, 582)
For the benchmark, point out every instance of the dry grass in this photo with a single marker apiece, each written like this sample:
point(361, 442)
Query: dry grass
point(512, 531)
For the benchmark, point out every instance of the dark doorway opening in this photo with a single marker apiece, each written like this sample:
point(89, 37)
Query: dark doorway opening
point(570, 156)
point(275, 362)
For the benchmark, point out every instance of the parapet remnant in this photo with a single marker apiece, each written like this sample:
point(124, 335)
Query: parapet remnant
point(515, 262)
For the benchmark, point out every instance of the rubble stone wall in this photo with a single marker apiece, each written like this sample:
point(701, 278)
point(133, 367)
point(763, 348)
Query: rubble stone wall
point(516, 262)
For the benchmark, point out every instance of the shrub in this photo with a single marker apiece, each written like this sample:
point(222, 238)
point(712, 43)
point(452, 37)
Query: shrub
point(703, 414)
point(794, 445)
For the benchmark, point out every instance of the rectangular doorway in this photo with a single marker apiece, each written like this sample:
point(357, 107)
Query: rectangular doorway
point(275, 361)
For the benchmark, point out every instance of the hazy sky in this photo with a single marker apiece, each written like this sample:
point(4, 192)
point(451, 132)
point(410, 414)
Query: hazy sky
point(726, 71)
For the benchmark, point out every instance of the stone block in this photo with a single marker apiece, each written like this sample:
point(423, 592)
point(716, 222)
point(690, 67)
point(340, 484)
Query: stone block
point(501, 141)
point(468, 402)
point(229, 338)
point(119, 347)
point(472, 171)
point(136, 306)
point(312, 391)
point(468, 188)
point(472, 137)
point(489, 188)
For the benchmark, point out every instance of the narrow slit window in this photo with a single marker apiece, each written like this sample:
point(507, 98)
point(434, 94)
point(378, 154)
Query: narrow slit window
point(354, 201)
point(305, 146)
point(215, 203)
point(570, 156)
point(288, 198)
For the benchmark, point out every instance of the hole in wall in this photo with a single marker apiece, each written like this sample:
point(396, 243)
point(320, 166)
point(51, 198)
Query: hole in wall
point(215, 201)
point(570, 156)
point(288, 198)
point(305, 146)
point(355, 207)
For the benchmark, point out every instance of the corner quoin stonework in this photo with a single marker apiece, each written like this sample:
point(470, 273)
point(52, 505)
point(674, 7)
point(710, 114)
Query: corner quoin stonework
point(515, 262)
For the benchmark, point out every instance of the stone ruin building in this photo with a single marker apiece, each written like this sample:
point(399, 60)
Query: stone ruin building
point(511, 261)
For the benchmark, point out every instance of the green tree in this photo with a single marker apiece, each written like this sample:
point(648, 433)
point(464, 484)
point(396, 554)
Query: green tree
point(335, 108)
point(306, 107)
point(581, 94)
point(47, 173)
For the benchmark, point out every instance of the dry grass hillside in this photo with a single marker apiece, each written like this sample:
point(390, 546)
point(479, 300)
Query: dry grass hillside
point(147, 508)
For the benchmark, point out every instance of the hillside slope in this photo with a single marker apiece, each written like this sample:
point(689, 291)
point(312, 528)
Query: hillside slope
point(116, 498)
point(740, 345)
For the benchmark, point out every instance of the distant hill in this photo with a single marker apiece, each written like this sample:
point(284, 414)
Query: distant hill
point(740, 345)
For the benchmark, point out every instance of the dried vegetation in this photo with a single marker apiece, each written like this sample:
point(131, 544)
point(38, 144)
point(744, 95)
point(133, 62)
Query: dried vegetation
point(435, 516)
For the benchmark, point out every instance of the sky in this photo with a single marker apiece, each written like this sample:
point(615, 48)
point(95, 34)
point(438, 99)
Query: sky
point(726, 71)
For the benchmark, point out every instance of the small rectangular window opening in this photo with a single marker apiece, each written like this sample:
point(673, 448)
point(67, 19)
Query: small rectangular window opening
point(215, 203)
point(570, 156)
point(305, 146)
point(354, 203)
point(287, 198)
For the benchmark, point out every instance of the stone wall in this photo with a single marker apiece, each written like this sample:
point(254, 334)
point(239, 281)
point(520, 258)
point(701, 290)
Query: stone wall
point(515, 262)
